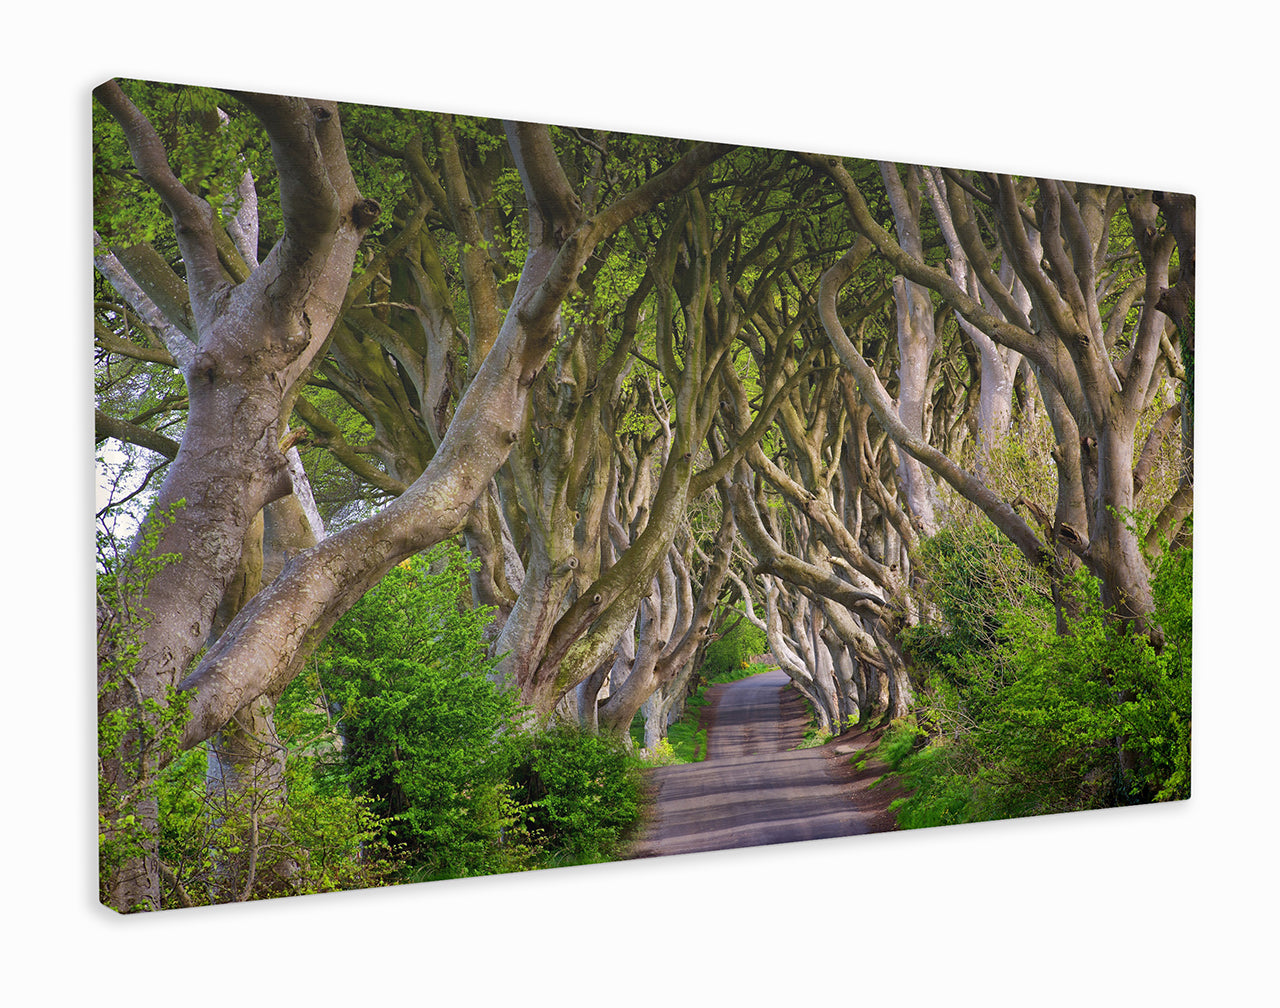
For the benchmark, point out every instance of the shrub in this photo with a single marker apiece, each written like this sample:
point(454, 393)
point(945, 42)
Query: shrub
point(136, 734)
point(687, 739)
point(941, 795)
point(455, 784)
point(900, 741)
point(1027, 721)
point(423, 724)
point(578, 794)
point(663, 754)
point(324, 839)
point(971, 573)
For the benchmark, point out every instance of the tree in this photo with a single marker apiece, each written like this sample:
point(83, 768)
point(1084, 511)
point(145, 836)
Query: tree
point(1072, 253)
point(257, 331)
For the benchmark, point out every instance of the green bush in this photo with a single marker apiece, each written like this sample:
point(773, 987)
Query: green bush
point(901, 740)
point(663, 754)
point(424, 727)
point(971, 576)
point(578, 794)
point(136, 734)
point(941, 795)
point(424, 745)
point(405, 763)
point(1032, 722)
point(325, 839)
point(455, 782)
point(733, 649)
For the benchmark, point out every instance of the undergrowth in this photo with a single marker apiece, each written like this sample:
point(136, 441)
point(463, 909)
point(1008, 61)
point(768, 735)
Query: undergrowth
point(404, 764)
point(1017, 719)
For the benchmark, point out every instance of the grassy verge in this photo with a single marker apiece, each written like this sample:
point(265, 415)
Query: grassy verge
point(814, 734)
point(686, 738)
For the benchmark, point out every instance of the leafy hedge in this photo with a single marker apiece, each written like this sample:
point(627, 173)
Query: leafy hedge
point(406, 762)
point(439, 749)
point(1025, 721)
point(578, 794)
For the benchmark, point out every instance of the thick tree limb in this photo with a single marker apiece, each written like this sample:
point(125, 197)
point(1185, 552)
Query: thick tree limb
point(154, 291)
point(998, 329)
point(875, 395)
point(536, 311)
point(277, 631)
point(553, 205)
point(329, 435)
point(477, 271)
point(192, 216)
point(309, 199)
point(110, 427)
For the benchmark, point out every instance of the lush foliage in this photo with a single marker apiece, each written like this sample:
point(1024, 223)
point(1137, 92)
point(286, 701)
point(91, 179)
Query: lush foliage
point(1022, 720)
point(578, 794)
point(209, 151)
point(686, 736)
point(300, 836)
point(405, 763)
point(421, 721)
point(968, 573)
point(733, 649)
point(690, 335)
point(435, 745)
point(134, 731)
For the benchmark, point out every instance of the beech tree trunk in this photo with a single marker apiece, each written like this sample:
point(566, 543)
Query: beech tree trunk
point(257, 332)
point(1059, 262)
point(254, 339)
point(273, 636)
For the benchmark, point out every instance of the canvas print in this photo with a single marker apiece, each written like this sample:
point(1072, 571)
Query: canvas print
point(482, 496)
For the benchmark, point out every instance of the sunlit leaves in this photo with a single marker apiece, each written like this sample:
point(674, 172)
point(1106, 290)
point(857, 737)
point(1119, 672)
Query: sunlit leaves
point(211, 142)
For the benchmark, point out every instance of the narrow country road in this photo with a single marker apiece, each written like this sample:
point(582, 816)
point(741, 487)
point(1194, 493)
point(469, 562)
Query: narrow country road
point(753, 788)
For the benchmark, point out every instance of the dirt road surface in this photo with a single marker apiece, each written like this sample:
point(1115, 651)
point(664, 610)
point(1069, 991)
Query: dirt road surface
point(754, 788)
